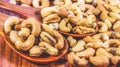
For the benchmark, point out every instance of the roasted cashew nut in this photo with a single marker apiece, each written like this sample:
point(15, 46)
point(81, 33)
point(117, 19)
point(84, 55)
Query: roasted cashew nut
point(65, 26)
point(102, 36)
point(44, 3)
point(60, 40)
point(24, 32)
point(101, 61)
point(116, 25)
point(115, 15)
point(10, 22)
point(75, 60)
point(36, 51)
point(47, 38)
point(104, 27)
point(48, 10)
point(114, 51)
point(35, 25)
point(52, 18)
point(26, 45)
point(91, 40)
point(86, 53)
point(79, 46)
point(108, 23)
point(71, 41)
point(49, 49)
point(112, 42)
point(48, 29)
point(14, 36)
point(103, 52)
point(115, 59)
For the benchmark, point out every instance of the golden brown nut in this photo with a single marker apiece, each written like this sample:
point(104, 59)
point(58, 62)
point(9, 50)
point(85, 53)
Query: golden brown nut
point(101, 61)
point(86, 53)
point(75, 60)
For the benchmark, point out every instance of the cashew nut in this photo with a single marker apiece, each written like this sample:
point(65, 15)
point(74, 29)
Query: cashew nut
point(58, 2)
point(79, 46)
point(27, 44)
point(10, 22)
point(112, 42)
point(48, 10)
point(44, 3)
point(75, 60)
point(52, 18)
point(83, 30)
point(113, 34)
point(115, 15)
point(102, 36)
point(14, 36)
point(86, 53)
point(88, 1)
point(101, 61)
point(91, 40)
point(114, 51)
point(65, 26)
point(104, 27)
point(115, 59)
point(116, 25)
point(49, 49)
point(108, 23)
point(48, 29)
point(103, 52)
point(35, 51)
point(35, 25)
point(71, 41)
point(47, 38)
point(60, 40)
point(25, 32)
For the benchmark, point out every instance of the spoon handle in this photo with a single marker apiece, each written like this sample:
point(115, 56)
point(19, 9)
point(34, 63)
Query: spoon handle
point(25, 12)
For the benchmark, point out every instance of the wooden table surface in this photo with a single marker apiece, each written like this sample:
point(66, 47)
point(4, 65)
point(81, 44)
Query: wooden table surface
point(8, 58)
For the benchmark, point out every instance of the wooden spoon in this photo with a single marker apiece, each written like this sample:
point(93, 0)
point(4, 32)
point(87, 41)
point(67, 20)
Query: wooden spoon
point(42, 60)
point(31, 12)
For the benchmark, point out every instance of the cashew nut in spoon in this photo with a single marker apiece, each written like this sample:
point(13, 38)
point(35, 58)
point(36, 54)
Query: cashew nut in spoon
point(48, 10)
point(36, 51)
point(86, 53)
point(48, 29)
point(101, 61)
point(49, 49)
point(71, 41)
point(24, 32)
point(60, 40)
point(104, 27)
point(14, 36)
point(65, 26)
point(34, 24)
point(62, 12)
point(52, 18)
point(103, 52)
point(10, 22)
point(75, 60)
point(26, 45)
point(79, 46)
point(47, 38)
point(44, 3)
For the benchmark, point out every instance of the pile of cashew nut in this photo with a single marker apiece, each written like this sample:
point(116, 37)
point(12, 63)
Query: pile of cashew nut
point(28, 36)
point(33, 3)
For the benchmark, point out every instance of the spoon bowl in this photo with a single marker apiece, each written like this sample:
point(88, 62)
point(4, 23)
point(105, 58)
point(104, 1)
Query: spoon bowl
point(42, 60)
